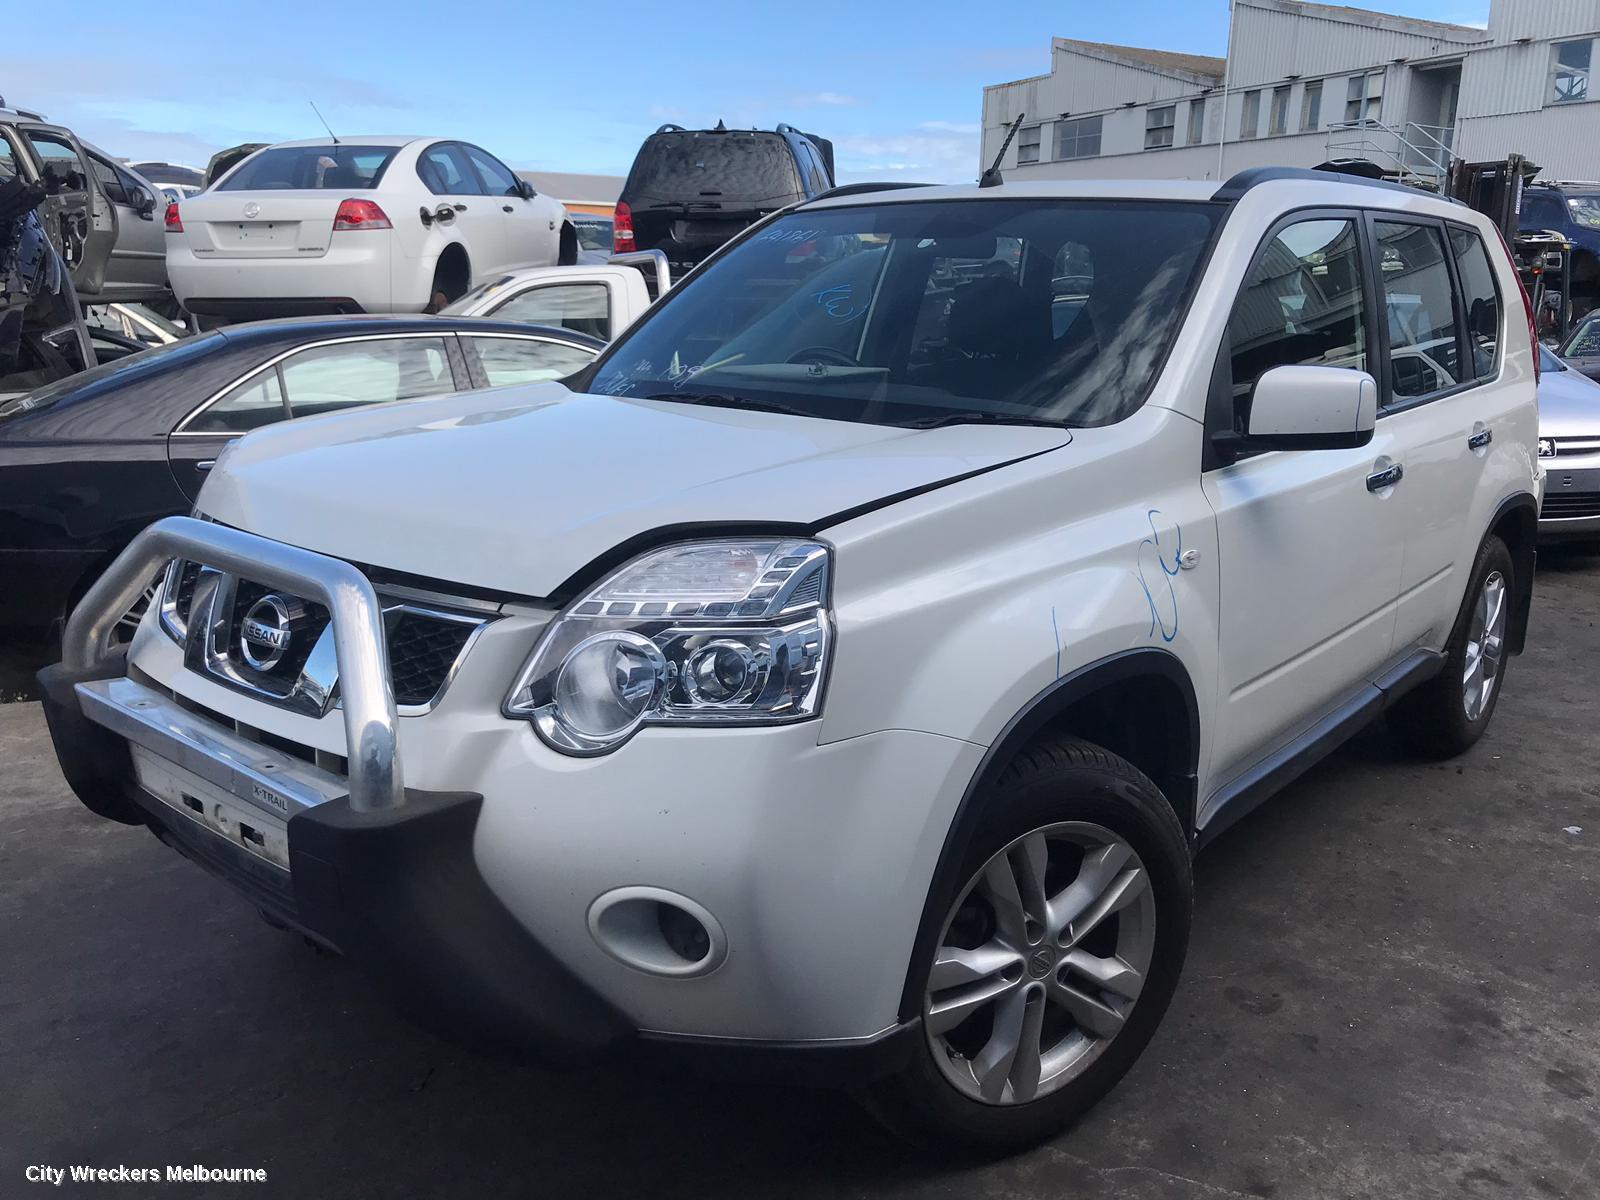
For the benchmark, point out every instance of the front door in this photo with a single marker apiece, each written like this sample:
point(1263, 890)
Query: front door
point(529, 227)
point(77, 213)
point(1310, 542)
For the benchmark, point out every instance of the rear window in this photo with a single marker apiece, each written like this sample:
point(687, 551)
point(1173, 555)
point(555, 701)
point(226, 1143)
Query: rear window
point(717, 169)
point(311, 168)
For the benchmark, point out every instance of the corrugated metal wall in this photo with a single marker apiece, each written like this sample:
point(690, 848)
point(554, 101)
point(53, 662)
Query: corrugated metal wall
point(1505, 79)
point(1270, 44)
point(1512, 19)
point(1561, 140)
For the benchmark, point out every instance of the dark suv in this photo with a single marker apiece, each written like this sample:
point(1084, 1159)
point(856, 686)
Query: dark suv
point(1573, 211)
point(690, 190)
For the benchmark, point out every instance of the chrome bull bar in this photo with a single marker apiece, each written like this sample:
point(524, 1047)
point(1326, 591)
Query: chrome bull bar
point(360, 647)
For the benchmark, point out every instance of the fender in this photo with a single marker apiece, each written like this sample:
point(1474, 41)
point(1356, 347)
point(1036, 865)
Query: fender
point(1524, 557)
point(1144, 663)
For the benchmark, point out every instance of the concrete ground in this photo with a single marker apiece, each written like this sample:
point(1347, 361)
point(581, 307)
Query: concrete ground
point(1391, 993)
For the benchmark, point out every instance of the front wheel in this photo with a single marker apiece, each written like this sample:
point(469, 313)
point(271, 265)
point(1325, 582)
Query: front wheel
point(1446, 715)
point(1057, 956)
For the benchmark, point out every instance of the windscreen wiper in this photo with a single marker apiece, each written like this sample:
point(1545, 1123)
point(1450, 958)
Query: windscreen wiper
point(723, 400)
point(977, 417)
point(686, 205)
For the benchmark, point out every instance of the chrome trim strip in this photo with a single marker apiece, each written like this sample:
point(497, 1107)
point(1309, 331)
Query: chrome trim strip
point(181, 429)
point(370, 720)
point(275, 783)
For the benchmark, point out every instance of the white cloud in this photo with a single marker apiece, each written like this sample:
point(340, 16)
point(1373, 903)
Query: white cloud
point(828, 99)
point(969, 127)
point(927, 154)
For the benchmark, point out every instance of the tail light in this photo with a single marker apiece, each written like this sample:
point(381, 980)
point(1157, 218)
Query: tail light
point(360, 214)
point(174, 222)
point(622, 230)
point(1527, 305)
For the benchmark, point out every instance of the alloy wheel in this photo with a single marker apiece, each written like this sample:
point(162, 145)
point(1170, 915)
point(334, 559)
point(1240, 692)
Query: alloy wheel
point(1040, 963)
point(1486, 640)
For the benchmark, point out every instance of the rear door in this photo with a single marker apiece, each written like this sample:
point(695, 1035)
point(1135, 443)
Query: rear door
point(139, 258)
point(461, 206)
point(77, 213)
point(531, 233)
point(326, 377)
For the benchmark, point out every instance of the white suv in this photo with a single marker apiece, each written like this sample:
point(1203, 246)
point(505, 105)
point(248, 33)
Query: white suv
point(372, 224)
point(845, 667)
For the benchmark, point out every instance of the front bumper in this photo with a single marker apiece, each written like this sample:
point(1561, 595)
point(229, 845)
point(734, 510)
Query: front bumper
point(1571, 507)
point(469, 905)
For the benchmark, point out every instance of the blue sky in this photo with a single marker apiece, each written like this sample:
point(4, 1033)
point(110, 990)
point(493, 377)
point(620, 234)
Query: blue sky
point(572, 87)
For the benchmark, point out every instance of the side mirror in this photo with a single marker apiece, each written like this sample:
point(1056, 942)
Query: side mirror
point(144, 204)
point(1312, 408)
point(526, 189)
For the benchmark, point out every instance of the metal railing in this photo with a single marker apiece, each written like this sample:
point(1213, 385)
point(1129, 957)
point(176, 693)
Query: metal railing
point(360, 649)
point(1412, 153)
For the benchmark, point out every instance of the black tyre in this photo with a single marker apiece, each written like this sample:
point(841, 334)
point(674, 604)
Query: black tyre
point(1450, 712)
point(1062, 947)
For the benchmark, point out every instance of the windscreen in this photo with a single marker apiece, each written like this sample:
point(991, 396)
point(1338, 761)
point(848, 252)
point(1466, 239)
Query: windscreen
point(710, 170)
point(1585, 209)
point(918, 313)
point(311, 168)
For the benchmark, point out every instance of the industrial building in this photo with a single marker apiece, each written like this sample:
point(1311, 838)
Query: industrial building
point(1304, 83)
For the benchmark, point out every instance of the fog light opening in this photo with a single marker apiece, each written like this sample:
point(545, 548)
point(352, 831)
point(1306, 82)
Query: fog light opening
point(658, 932)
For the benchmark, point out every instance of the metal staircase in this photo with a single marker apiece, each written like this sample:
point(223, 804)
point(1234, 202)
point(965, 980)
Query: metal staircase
point(1419, 155)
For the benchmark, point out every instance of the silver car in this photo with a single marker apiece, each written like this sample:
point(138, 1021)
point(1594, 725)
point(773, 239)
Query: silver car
point(1569, 448)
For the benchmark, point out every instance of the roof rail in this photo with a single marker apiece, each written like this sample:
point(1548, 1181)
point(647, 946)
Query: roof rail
point(851, 189)
point(669, 127)
point(1254, 176)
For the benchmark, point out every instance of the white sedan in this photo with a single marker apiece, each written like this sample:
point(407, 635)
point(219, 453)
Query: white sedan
point(374, 224)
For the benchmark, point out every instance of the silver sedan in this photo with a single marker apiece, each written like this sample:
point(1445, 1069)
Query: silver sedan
point(1569, 448)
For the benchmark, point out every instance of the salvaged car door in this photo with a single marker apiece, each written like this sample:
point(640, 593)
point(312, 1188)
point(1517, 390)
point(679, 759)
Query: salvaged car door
point(76, 212)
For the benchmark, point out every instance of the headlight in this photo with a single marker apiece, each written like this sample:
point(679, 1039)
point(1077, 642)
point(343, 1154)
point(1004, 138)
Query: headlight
point(727, 632)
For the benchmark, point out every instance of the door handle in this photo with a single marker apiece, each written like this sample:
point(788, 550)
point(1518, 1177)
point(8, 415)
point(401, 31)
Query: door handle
point(205, 464)
point(1480, 438)
point(461, 208)
point(1388, 477)
point(506, 208)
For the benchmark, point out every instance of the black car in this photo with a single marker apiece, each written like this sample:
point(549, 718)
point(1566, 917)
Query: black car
point(87, 462)
point(1573, 211)
point(690, 190)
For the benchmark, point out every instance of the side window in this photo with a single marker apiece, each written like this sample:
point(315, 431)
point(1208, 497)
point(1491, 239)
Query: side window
point(526, 360)
point(256, 402)
point(1542, 212)
point(111, 181)
point(498, 179)
point(1419, 304)
point(1301, 305)
point(1481, 298)
point(445, 171)
point(8, 157)
point(349, 374)
point(583, 307)
point(59, 160)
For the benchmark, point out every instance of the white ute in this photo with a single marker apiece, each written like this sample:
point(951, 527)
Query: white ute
point(370, 224)
point(840, 673)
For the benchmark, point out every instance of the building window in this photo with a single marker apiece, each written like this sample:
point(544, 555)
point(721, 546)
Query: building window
point(1079, 138)
point(1028, 145)
point(1250, 115)
point(1364, 97)
point(1159, 124)
point(1278, 114)
point(1569, 74)
point(1197, 121)
point(1311, 107)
